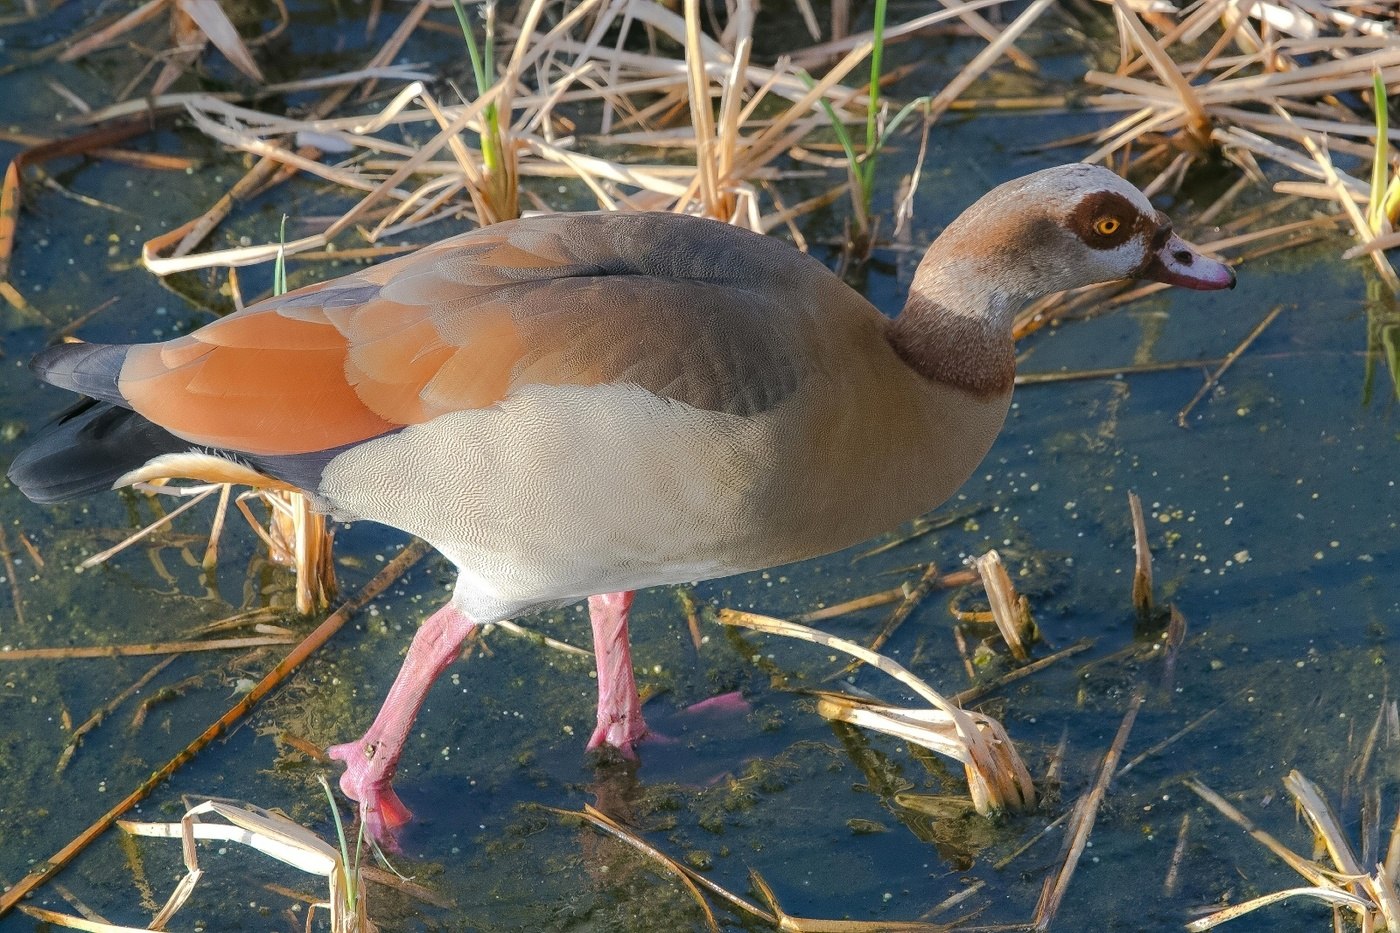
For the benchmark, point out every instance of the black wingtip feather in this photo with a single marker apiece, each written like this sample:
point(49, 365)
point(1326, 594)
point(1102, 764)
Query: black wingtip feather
point(86, 449)
point(90, 369)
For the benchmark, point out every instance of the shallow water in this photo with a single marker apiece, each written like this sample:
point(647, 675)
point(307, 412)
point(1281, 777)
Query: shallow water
point(1272, 518)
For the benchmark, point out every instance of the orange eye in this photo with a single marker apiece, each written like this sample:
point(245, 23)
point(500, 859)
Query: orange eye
point(1107, 226)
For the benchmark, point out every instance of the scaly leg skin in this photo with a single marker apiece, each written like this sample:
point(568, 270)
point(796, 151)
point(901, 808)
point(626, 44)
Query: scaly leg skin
point(370, 762)
point(619, 708)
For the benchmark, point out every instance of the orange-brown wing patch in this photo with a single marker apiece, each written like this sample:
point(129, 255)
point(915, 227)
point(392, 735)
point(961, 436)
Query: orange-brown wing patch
point(337, 362)
point(255, 382)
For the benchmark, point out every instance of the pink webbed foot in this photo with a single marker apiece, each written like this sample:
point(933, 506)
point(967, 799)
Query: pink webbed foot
point(620, 722)
point(370, 762)
point(381, 810)
point(622, 731)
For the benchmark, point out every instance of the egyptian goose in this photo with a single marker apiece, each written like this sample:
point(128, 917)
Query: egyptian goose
point(575, 406)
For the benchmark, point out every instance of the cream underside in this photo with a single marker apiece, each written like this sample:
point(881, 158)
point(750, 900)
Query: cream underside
point(561, 492)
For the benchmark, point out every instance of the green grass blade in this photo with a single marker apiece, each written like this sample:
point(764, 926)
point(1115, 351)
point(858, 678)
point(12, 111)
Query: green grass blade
point(489, 53)
point(279, 268)
point(478, 65)
point(483, 72)
point(843, 135)
point(1380, 164)
point(340, 836)
point(900, 117)
point(866, 172)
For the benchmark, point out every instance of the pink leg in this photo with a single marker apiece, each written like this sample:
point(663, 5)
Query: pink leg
point(619, 708)
point(370, 762)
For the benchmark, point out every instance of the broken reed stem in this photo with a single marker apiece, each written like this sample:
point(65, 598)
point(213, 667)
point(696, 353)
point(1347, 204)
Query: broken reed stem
point(31, 550)
point(985, 59)
point(1035, 837)
point(1229, 361)
point(520, 631)
point(406, 558)
point(216, 529)
point(915, 595)
point(9, 561)
point(315, 566)
point(1010, 612)
point(1170, 740)
point(1086, 809)
point(1176, 637)
point(1142, 566)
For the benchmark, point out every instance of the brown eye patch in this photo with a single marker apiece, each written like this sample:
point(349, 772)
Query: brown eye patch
point(1106, 219)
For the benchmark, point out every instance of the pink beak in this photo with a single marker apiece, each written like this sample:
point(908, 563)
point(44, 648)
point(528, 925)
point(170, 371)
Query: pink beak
point(1177, 262)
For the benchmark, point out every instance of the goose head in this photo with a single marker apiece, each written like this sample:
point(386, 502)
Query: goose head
point(1056, 229)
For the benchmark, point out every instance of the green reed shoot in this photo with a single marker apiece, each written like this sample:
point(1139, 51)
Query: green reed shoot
point(861, 164)
point(349, 867)
point(1383, 317)
point(500, 200)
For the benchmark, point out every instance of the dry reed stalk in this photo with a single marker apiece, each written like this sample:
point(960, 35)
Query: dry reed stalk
point(520, 631)
point(77, 652)
point(732, 150)
point(194, 24)
point(1370, 894)
point(692, 618)
point(1111, 372)
point(295, 536)
point(202, 493)
point(1172, 879)
point(302, 539)
point(11, 195)
point(786, 923)
point(284, 668)
point(960, 643)
point(1214, 102)
point(1361, 225)
point(1169, 741)
point(921, 526)
point(1175, 638)
point(8, 560)
point(911, 596)
point(1082, 823)
point(1025, 670)
point(997, 778)
point(776, 917)
point(883, 598)
point(985, 59)
point(1035, 837)
point(687, 878)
